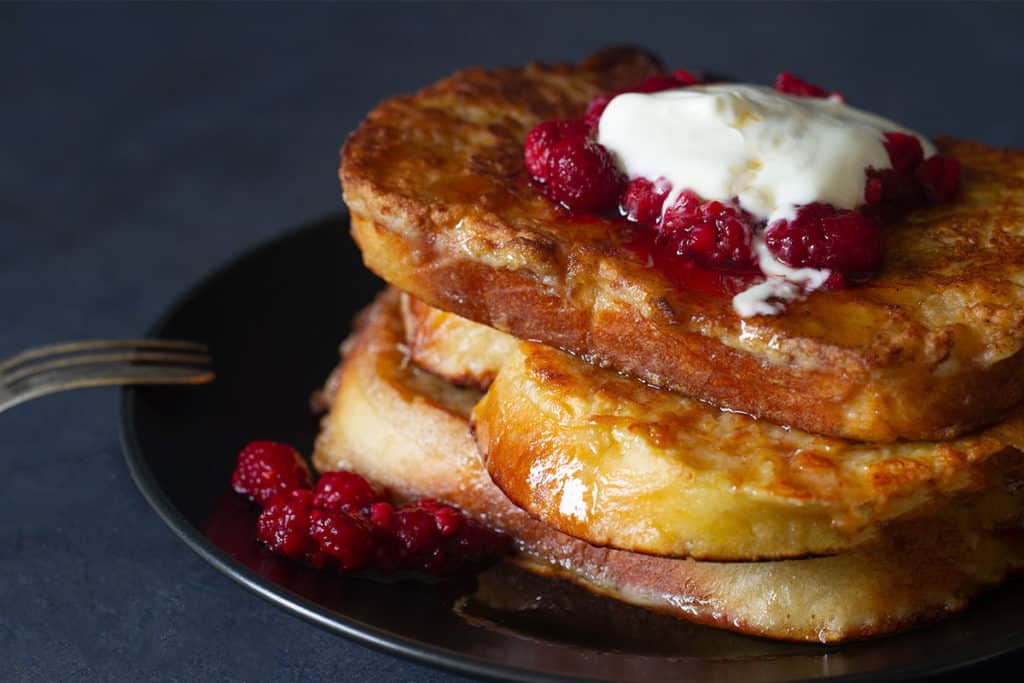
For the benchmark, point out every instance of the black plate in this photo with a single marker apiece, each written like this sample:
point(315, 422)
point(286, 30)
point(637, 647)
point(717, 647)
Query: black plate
point(273, 320)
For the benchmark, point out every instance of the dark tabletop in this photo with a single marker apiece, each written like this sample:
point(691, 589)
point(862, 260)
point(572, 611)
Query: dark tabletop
point(142, 146)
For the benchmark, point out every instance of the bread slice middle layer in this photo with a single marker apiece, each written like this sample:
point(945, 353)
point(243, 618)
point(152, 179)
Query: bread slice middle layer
point(615, 462)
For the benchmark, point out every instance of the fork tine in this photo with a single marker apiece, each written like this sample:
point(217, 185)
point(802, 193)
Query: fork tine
point(63, 379)
point(95, 344)
point(30, 369)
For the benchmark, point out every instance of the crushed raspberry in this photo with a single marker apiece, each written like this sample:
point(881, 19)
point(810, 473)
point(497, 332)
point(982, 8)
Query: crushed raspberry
point(345, 538)
point(344, 491)
point(582, 176)
point(904, 150)
point(345, 523)
point(939, 178)
point(711, 233)
point(791, 84)
point(822, 236)
point(643, 199)
point(267, 469)
point(283, 525)
point(543, 137)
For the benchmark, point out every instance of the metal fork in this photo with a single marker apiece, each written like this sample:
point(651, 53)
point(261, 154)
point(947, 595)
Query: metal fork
point(100, 362)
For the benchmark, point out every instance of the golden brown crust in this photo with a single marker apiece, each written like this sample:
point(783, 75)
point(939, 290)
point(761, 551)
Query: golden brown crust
point(408, 431)
point(604, 458)
point(442, 207)
point(461, 351)
point(614, 462)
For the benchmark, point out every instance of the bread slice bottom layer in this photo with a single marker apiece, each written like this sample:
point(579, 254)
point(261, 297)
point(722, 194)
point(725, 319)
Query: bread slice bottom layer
point(409, 430)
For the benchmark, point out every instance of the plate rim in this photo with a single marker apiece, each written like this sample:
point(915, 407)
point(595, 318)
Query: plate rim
point(365, 634)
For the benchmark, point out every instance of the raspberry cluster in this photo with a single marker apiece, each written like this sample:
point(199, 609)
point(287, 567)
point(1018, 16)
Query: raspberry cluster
point(580, 174)
point(343, 522)
point(573, 168)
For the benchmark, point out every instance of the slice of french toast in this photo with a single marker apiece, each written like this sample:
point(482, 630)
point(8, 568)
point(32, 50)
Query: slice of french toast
point(610, 460)
point(443, 207)
point(408, 430)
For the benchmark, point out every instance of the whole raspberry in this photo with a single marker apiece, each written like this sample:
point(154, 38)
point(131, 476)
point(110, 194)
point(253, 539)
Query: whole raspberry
point(643, 199)
point(904, 150)
point(710, 233)
point(284, 525)
point(382, 517)
point(678, 79)
point(267, 469)
point(582, 176)
point(345, 491)
point(543, 137)
point(891, 193)
point(791, 84)
point(476, 543)
point(596, 107)
point(823, 237)
point(939, 178)
point(446, 518)
point(416, 531)
point(684, 77)
point(345, 538)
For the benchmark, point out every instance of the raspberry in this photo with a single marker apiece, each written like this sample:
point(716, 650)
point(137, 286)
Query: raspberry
point(344, 523)
point(345, 538)
point(477, 543)
point(823, 237)
point(835, 280)
point(596, 107)
point(382, 517)
point(791, 84)
point(582, 176)
point(643, 199)
point(416, 531)
point(284, 525)
point(684, 77)
point(543, 137)
point(446, 518)
point(904, 150)
point(660, 83)
point(939, 178)
point(438, 562)
point(267, 469)
point(710, 233)
point(387, 557)
point(344, 491)
point(678, 79)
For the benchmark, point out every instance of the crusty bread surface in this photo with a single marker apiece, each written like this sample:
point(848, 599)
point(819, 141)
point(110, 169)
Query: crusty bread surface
point(607, 459)
point(442, 206)
point(408, 430)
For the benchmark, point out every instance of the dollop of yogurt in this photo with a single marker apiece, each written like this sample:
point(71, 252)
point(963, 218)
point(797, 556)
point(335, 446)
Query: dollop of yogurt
point(769, 151)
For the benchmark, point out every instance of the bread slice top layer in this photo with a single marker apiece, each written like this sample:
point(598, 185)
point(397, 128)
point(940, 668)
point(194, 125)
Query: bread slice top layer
point(409, 431)
point(443, 207)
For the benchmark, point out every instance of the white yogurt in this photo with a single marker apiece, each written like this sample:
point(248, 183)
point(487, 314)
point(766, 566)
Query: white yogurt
point(770, 151)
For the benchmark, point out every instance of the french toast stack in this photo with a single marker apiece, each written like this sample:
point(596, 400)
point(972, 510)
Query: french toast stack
point(848, 468)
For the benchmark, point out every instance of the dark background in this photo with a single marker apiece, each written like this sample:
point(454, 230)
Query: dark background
point(142, 146)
